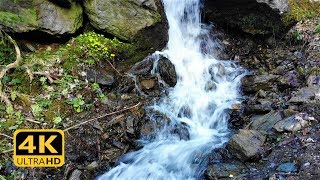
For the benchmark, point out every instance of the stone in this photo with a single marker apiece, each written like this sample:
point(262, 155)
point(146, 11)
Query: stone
point(122, 18)
point(263, 106)
point(101, 77)
point(246, 144)
point(293, 123)
point(255, 83)
point(224, 170)
point(167, 71)
point(287, 168)
point(148, 84)
point(92, 166)
point(250, 16)
point(40, 15)
point(266, 122)
point(75, 175)
point(305, 95)
point(142, 68)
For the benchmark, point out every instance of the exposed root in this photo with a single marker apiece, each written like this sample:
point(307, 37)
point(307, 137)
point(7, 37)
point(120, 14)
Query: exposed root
point(13, 65)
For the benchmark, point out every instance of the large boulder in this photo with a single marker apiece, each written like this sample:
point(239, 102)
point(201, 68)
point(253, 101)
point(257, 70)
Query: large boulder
point(130, 20)
point(251, 16)
point(40, 15)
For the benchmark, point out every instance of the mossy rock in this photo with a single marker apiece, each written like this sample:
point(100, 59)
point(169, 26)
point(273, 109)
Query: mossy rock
point(39, 15)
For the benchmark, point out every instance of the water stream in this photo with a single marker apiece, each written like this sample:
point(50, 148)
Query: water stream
point(205, 90)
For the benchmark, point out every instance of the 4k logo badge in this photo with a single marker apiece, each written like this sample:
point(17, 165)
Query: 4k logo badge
point(38, 148)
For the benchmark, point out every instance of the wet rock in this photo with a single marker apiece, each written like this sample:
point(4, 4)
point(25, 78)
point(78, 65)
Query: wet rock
point(266, 122)
point(305, 95)
point(224, 170)
point(40, 15)
point(167, 71)
point(287, 168)
point(250, 16)
point(256, 83)
point(246, 145)
point(181, 130)
point(293, 123)
point(91, 167)
point(148, 84)
point(143, 67)
point(147, 128)
point(75, 175)
point(101, 77)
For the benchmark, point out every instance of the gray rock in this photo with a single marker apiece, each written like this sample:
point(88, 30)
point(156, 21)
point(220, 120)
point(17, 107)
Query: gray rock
point(287, 168)
point(256, 83)
point(250, 16)
point(246, 145)
point(122, 18)
point(305, 95)
point(130, 124)
point(266, 122)
point(40, 15)
point(75, 175)
point(224, 170)
point(293, 123)
point(263, 106)
point(91, 167)
point(167, 71)
point(101, 77)
point(143, 67)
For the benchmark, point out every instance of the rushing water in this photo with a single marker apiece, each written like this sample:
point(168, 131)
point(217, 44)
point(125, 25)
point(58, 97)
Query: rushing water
point(205, 90)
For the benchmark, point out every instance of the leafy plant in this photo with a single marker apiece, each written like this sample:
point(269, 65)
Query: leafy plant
point(91, 47)
point(77, 103)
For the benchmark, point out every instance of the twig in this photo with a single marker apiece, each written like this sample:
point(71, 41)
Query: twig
point(102, 116)
point(6, 151)
point(114, 68)
point(6, 136)
point(33, 121)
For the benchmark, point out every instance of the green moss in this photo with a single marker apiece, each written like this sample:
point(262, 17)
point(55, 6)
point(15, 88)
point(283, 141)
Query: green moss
point(302, 10)
point(24, 16)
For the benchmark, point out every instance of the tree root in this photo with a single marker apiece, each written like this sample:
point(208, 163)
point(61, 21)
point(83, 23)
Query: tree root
point(16, 63)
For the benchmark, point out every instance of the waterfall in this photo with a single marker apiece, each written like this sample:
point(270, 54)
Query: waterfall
point(205, 91)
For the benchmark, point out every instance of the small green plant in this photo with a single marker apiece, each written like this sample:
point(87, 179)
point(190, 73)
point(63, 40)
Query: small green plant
point(14, 116)
point(91, 47)
point(77, 103)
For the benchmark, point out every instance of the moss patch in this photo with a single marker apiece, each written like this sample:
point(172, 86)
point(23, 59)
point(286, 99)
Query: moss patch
point(27, 17)
point(302, 10)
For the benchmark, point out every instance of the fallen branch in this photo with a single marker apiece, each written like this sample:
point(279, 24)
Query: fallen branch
point(102, 116)
point(114, 68)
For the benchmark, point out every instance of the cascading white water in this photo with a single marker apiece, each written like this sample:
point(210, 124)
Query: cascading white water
point(206, 88)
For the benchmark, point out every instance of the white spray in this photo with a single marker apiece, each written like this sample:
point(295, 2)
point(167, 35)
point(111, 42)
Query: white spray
point(205, 90)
